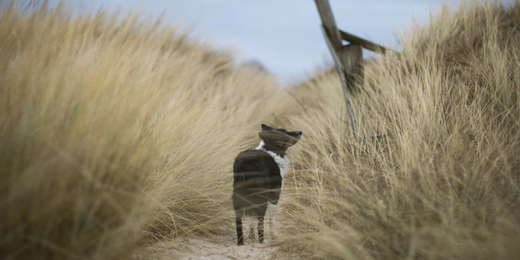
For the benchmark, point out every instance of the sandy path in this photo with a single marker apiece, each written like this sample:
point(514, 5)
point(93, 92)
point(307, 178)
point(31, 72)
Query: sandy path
point(221, 246)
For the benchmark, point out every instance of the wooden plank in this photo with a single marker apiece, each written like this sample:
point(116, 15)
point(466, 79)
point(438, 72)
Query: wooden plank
point(366, 43)
point(343, 78)
point(352, 57)
point(327, 19)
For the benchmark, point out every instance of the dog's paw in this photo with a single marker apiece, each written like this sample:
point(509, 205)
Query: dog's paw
point(274, 234)
point(249, 235)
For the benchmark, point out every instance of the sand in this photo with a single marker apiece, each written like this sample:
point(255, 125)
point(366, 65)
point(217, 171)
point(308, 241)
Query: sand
point(221, 246)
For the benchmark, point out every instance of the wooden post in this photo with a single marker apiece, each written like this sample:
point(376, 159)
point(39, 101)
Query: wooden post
point(343, 79)
point(352, 57)
point(333, 39)
point(327, 19)
point(348, 59)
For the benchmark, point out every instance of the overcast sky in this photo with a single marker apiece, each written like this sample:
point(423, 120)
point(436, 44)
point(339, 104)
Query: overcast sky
point(284, 35)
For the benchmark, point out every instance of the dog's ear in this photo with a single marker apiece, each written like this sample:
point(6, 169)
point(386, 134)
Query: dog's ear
point(267, 134)
point(265, 128)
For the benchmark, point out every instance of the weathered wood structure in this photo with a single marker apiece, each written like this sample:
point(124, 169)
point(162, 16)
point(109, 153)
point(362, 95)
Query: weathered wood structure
point(348, 58)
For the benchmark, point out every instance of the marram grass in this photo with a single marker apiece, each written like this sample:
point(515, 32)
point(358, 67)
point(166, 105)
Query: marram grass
point(115, 132)
point(445, 182)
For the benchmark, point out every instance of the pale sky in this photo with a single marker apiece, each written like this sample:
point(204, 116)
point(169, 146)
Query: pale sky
point(284, 35)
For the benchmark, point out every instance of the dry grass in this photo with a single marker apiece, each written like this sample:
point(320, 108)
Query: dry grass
point(445, 183)
point(113, 130)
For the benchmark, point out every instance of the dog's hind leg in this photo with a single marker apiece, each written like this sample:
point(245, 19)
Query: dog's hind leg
point(253, 227)
point(271, 212)
point(240, 234)
point(261, 229)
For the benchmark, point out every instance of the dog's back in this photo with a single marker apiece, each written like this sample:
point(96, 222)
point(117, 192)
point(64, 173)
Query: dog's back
point(257, 181)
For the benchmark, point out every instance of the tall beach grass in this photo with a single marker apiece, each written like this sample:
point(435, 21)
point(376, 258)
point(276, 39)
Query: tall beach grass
point(445, 181)
point(114, 130)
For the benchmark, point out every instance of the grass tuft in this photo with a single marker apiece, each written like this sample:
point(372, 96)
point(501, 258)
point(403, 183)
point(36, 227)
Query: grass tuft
point(444, 182)
point(115, 131)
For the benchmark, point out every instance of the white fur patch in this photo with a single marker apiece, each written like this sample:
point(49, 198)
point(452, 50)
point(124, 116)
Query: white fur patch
point(271, 212)
point(283, 163)
point(260, 146)
point(253, 228)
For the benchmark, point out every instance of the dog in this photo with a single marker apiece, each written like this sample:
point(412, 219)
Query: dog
point(258, 175)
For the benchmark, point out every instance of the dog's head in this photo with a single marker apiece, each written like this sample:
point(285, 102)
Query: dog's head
point(279, 137)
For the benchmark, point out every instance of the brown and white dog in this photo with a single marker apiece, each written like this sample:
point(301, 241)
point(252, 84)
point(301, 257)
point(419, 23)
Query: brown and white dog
point(258, 176)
